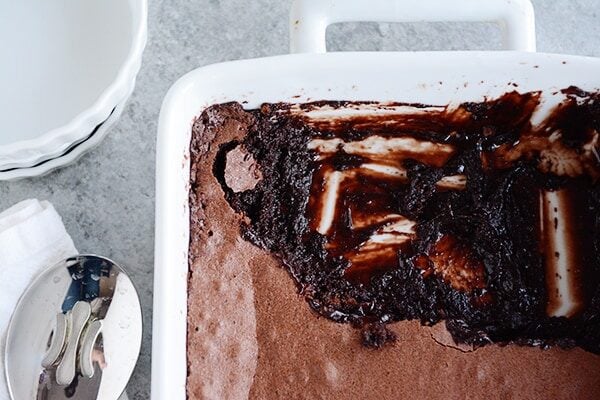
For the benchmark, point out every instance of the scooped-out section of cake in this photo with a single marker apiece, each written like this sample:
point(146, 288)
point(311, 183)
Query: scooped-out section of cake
point(483, 215)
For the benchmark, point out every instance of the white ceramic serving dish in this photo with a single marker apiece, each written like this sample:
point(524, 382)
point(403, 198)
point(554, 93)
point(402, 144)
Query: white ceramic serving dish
point(66, 66)
point(72, 153)
point(437, 78)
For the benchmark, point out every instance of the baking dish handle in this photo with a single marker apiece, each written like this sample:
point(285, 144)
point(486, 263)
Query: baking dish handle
point(309, 19)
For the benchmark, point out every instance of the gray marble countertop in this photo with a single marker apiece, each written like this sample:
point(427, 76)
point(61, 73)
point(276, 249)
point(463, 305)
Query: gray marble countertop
point(107, 197)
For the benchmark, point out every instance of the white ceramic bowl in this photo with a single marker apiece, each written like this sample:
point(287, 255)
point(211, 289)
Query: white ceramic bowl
point(70, 155)
point(66, 65)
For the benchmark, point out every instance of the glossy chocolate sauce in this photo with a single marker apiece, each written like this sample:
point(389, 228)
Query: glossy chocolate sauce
point(468, 214)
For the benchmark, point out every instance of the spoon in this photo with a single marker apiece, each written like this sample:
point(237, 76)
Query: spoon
point(75, 333)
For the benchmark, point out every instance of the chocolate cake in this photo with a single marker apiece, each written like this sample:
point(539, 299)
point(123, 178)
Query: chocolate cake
point(368, 250)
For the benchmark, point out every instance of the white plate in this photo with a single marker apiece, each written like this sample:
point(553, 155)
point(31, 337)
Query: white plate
point(401, 76)
point(66, 65)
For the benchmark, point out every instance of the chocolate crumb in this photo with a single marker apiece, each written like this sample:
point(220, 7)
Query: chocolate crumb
point(376, 335)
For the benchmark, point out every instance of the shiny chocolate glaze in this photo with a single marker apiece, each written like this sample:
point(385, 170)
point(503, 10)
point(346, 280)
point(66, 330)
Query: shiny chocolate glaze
point(435, 213)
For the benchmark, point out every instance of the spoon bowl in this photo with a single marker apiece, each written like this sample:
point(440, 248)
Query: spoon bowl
point(75, 334)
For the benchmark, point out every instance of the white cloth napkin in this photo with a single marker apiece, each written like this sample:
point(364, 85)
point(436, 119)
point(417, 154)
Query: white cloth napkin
point(32, 238)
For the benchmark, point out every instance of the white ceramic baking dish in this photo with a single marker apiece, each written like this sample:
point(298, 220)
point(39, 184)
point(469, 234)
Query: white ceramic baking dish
point(424, 77)
point(66, 66)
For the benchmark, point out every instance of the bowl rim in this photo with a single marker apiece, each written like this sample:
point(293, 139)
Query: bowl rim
point(73, 153)
point(25, 153)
